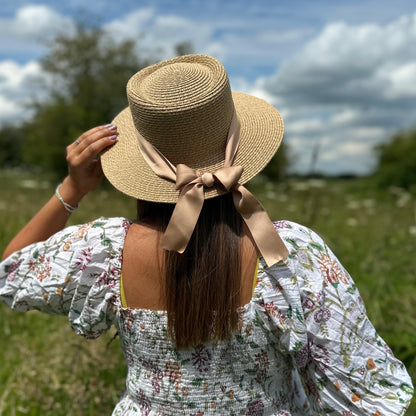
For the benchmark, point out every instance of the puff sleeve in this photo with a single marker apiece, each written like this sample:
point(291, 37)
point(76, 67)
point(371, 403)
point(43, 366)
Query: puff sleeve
point(341, 364)
point(75, 272)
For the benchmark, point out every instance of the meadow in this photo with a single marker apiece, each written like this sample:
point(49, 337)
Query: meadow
point(47, 370)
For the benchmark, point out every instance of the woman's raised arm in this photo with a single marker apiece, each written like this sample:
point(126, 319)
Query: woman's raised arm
point(84, 175)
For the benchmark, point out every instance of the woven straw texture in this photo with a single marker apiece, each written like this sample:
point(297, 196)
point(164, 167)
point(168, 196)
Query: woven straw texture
point(184, 107)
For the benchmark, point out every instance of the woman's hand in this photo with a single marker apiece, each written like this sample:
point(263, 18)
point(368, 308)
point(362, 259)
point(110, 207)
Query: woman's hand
point(84, 165)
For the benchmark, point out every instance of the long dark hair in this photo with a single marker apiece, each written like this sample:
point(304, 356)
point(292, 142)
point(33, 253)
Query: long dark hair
point(202, 285)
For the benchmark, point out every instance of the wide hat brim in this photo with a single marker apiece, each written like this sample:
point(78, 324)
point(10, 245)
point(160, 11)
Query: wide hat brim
point(261, 135)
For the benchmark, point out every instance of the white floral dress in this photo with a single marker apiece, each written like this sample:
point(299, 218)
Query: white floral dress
point(305, 345)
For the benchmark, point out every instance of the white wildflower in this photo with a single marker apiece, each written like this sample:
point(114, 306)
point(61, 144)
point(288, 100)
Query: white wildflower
point(403, 200)
point(317, 183)
point(412, 230)
point(29, 184)
point(353, 204)
point(300, 186)
point(369, 203)
point(352, 222)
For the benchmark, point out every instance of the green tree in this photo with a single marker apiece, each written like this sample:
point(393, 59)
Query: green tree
point(277, 167)
point(88, 72)
point(184, 48)
point(397, 161)
point(11, 139)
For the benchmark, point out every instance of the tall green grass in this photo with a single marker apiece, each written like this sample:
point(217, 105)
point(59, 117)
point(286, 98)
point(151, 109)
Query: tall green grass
point(48, 370)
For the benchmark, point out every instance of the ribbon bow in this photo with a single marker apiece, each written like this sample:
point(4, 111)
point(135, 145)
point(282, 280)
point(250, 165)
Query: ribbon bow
point(191, 185)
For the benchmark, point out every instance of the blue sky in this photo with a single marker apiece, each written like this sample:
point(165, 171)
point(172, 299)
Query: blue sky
point(343, 74)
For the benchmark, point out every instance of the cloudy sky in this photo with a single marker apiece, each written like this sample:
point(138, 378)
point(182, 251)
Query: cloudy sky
point(343, 74)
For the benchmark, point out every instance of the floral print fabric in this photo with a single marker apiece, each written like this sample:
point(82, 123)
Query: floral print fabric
point(304, 347)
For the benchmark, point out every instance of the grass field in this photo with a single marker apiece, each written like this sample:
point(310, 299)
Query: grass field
point(47, 370)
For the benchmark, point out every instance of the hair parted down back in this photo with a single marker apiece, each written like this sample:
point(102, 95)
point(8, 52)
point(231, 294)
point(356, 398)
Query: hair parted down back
point(202, 285)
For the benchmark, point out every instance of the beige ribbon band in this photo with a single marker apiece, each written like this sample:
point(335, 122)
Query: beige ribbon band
point(191, 198)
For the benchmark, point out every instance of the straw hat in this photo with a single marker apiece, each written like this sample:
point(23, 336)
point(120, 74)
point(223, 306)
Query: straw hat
point(184, 107)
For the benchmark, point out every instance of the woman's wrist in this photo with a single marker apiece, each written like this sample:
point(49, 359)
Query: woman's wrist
point(70, 193)
point(69, 208)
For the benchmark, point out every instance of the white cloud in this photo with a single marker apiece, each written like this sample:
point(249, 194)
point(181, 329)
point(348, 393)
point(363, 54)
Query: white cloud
point(345, 116)
point(306, 126)
point(240, 84)
point(401, 81)
point(34, 21)
point(349, 157)
point(24, 35)
point(18, 87)
point(131, 25)
point(353, 148)
point(9, 110)
point(353, 63)
point(350, 86)
point(159, 34)
point(13, 75)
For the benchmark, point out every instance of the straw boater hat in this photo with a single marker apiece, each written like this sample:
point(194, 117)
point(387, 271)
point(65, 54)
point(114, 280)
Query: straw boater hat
point(186, 137)
point(184, 107)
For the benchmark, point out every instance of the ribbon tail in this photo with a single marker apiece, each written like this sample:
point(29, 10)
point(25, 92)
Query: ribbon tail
point(156, 160)
point(261, 227)
point(232, 140)
point(184, 218)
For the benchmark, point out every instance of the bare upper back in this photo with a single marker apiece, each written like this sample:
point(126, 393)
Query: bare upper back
point(143, 272)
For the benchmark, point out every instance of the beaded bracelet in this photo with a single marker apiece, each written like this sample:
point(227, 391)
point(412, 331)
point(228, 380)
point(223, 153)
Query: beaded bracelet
point(69, 208)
